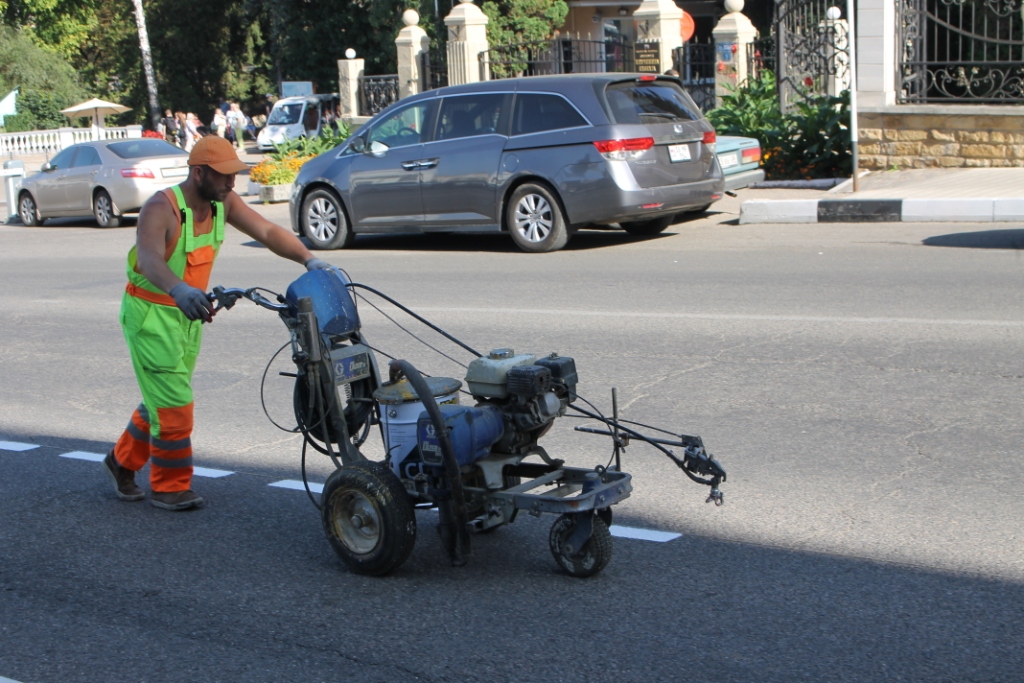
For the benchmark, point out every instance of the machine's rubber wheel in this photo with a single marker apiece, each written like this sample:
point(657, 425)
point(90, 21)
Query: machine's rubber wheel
point(589, 560)
point(28, 211)
point(606, 516)
point(368, 518)
point(649, 227)
point(103, 210)
point(534, 218)
point(323, 221)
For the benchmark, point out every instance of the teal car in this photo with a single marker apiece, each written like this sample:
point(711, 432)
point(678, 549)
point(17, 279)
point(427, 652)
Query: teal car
point(740, 159)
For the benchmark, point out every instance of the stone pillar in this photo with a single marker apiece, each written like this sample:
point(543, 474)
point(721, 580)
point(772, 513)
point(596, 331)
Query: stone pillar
point(876, 53)
point(349, 72)
point(467, 38)
point(132, 132)
point(658, 20)
point(411, 43)
point(732, 36)
point(65, 137)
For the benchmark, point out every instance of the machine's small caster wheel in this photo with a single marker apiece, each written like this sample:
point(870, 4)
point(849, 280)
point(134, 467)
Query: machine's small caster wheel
point(590, 559)
point(368, 518)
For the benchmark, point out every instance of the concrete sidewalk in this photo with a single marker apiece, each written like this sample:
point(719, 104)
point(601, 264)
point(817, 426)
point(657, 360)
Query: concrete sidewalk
point(975, 195)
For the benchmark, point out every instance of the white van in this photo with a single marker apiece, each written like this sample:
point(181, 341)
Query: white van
point(294, 117)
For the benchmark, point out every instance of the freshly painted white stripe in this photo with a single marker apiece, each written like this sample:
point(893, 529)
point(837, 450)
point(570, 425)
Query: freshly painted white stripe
point(82, 455)
point(7, 680)
point(737, 316)
point(15, 446)
point(211, 473)
point(643, 534)
point(297, 485)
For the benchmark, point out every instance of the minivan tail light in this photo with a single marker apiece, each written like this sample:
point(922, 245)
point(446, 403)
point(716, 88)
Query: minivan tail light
point(623, 150)
point(136, 172)
point(752, 155)
point(709, 140)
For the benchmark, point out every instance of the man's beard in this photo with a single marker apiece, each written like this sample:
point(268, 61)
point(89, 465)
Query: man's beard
point(207, 191)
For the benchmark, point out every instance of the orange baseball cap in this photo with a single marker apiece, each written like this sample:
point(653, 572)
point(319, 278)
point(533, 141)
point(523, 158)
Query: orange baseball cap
point(217, 153)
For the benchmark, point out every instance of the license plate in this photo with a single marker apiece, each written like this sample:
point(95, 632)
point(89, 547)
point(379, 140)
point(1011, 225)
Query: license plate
point(728, 160)
point(679, 153)
point(175, 172)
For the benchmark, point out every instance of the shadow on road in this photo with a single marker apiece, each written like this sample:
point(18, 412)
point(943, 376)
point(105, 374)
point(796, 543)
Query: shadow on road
point(81, 568)
point(983, 239)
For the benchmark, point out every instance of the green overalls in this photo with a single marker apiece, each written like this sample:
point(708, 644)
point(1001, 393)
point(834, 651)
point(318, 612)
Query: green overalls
point(164, 345)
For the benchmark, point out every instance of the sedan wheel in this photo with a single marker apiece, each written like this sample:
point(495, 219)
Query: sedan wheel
point(27, 210)
point(323, 221)
point(535, 219)
point(103, 210)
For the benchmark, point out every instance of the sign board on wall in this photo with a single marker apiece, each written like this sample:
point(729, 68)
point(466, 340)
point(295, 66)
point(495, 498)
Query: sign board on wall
point(296, 88)
point(647, 58)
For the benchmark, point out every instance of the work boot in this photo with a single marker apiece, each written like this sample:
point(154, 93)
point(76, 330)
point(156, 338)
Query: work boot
point(176, 500)
point(124, 479)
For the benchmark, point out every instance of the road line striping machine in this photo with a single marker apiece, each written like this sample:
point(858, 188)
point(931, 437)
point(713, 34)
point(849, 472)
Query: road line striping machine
point(479, 464)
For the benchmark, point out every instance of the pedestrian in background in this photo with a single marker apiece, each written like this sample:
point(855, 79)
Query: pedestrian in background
point(236, 120)
point(182, 128)
point(191, 131)
point(170, 125)
point(219, 123)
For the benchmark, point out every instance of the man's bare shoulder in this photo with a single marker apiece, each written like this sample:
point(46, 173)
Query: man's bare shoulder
point(157, 214)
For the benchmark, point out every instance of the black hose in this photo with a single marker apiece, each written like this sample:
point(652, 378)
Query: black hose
point(458, 516)
point(417, 316)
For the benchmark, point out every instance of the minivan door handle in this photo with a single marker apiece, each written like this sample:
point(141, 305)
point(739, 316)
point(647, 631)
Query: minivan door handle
point(411, 165)
point(429, 163)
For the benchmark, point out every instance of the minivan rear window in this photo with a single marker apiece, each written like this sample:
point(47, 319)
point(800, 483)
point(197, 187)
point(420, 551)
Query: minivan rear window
point(649, 102)
point(535, 113)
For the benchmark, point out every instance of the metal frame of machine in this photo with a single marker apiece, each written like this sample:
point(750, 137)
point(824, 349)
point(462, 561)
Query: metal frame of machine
point(470, 462)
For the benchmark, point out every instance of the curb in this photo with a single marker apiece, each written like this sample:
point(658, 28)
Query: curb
point(882, 211)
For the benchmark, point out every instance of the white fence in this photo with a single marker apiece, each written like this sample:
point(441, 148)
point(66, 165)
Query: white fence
point(52, 141)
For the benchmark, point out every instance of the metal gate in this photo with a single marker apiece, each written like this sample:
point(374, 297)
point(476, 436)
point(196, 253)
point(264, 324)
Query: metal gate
point(964, 50)
point(433, 68)
point(560, 56)
point(812, 56)
point(695, 63)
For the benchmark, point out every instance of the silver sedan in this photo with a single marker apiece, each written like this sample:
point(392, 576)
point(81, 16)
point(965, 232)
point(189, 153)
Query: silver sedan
point(106, 178)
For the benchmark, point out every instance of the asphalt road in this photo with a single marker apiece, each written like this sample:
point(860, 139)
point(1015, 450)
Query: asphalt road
point(860, 383)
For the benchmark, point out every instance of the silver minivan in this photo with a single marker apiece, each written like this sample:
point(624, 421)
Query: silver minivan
point(537, 157)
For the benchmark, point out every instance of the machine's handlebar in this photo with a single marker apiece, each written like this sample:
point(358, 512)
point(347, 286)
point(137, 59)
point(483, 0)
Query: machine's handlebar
point(225, 297)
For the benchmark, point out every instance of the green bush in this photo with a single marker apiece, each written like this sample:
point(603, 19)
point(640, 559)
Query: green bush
point(37, 111)
point(813, 141)
point(302, 146)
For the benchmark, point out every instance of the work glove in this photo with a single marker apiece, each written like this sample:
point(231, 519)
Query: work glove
point(318, 264)
point(193, 302)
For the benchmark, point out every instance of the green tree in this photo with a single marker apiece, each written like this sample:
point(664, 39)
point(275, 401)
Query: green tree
point(523, 21)
point(46, 82)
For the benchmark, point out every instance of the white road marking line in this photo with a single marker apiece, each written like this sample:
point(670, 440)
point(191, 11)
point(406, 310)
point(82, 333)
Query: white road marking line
point(297, 485)
point(98, 457)
point(643, 534)
point(733, 317)
point(7, 680)
point(82, 455)
point(210, 473)
point(634, 533)
point(15, 446)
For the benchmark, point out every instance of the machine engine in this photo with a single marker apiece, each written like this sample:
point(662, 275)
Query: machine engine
point(518, 397)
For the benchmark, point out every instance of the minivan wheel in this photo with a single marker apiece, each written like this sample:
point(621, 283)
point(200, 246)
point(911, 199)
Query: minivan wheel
point(648, 227)
point(534, 218)
point(323, 221)
point(27, 210)
point(103, 210)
